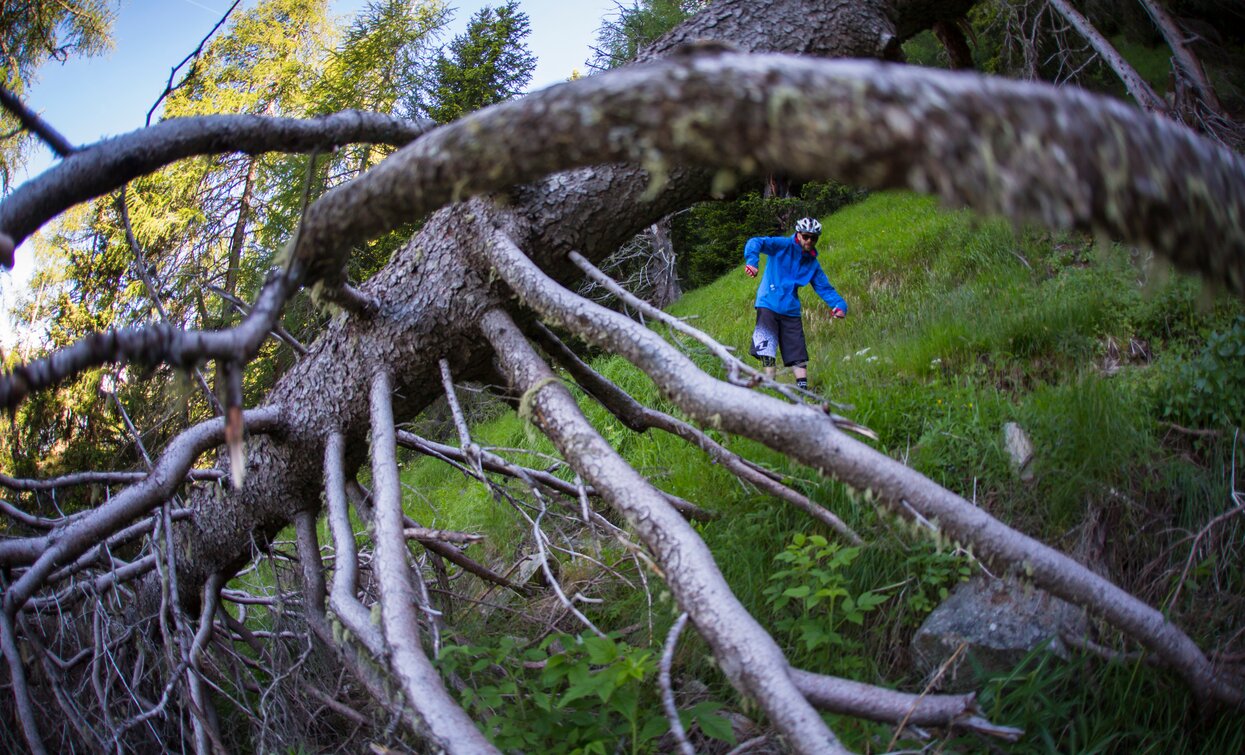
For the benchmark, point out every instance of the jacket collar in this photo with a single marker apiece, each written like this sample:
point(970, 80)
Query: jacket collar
point(803, 254)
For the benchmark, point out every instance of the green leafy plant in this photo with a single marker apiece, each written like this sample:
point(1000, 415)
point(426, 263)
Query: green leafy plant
point(1209, 391)
point(572, 694)
point(813, 598)
point(933, 572)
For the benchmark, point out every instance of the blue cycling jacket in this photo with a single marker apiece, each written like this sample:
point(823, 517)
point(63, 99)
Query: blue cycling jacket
point(788, 269)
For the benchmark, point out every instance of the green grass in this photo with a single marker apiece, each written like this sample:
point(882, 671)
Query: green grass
point(957, 326)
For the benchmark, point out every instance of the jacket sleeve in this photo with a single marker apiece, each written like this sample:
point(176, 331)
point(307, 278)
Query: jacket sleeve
point(755, 247)
point(821, 284)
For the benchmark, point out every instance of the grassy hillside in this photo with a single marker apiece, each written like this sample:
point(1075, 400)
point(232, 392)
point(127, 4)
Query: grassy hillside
point(1127, 380)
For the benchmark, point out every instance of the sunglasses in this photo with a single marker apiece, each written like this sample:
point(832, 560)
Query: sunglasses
point(808, 236)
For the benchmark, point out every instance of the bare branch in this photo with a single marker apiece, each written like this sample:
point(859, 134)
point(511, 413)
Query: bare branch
point(423, 534)
point(78, 591)
point(494, 463)
point(490, 462)
point(94, 478)
point(153, 345)
point(206, 736)
point(169, 88)
point(639, 418)
point(343, 597)
point(308, 543)
point(153, 293)
point(470, 450)
point(667, 692)
point(1136, 86)
point(1186, 62)
point(345, 652)
point(243, 308)
point(349, 298)
point(124, 536)
point(875, 703)
point(444, 722)
point(65, 545)
point(734, 366)
point(810, 438)
point(22, 704)
point(31, 121)
point(745, 652)
point(1237, 497)
point(104, 166)
point(539, 537)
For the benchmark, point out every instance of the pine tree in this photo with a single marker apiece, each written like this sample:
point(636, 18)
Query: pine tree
point(488, 63)
point(619, 40)
point(33, 33)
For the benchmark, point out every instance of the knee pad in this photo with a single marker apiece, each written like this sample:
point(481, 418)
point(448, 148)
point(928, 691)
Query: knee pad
point(768, 361)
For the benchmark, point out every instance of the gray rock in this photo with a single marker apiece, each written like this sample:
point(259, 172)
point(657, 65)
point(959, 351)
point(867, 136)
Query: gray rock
point(1019, 449)
point(999, 621)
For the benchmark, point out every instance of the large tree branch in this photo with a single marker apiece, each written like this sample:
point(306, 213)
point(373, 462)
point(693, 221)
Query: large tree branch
point(102, 167)
point(1143, 180)
point(153, 345)
point(1186, 63)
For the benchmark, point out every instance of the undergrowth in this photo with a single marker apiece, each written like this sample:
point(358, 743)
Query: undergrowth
point(1128, 381)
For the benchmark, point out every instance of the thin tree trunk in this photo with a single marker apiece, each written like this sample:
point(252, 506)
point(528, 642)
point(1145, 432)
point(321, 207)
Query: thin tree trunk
point(1141, 91)
point(1186, 63)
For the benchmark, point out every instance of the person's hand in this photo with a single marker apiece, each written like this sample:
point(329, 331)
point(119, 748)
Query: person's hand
point(838, 313)
point(750, 270)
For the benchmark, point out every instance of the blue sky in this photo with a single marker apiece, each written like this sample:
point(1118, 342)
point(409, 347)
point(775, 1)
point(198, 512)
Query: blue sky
point(87, 99)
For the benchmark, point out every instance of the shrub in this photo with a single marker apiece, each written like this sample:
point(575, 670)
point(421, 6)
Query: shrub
point(1209, 390)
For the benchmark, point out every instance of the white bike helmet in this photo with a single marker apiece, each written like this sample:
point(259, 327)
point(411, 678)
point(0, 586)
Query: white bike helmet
point(808, 225)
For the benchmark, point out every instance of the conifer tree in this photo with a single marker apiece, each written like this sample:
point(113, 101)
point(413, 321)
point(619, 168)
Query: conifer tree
point(35, 32)
point(488, 63)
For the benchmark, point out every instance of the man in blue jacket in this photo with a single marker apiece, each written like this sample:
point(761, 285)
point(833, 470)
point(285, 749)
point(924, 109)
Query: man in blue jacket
point(792, 263)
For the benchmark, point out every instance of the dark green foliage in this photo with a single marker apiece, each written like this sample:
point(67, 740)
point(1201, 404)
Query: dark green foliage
point(487, 64)
point(710, 237)
point(1029, 40)
point(380, 60)
point(1083, 706)
point(620, 39)
point(812, 601)
point(570, 694)
point(1209, 391)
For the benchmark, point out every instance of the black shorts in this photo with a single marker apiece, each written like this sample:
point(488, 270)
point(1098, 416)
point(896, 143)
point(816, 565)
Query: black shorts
point(774, 333)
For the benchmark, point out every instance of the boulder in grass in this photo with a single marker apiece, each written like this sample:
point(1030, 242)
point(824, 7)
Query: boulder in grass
point(1020, 449)
point(999, 622)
